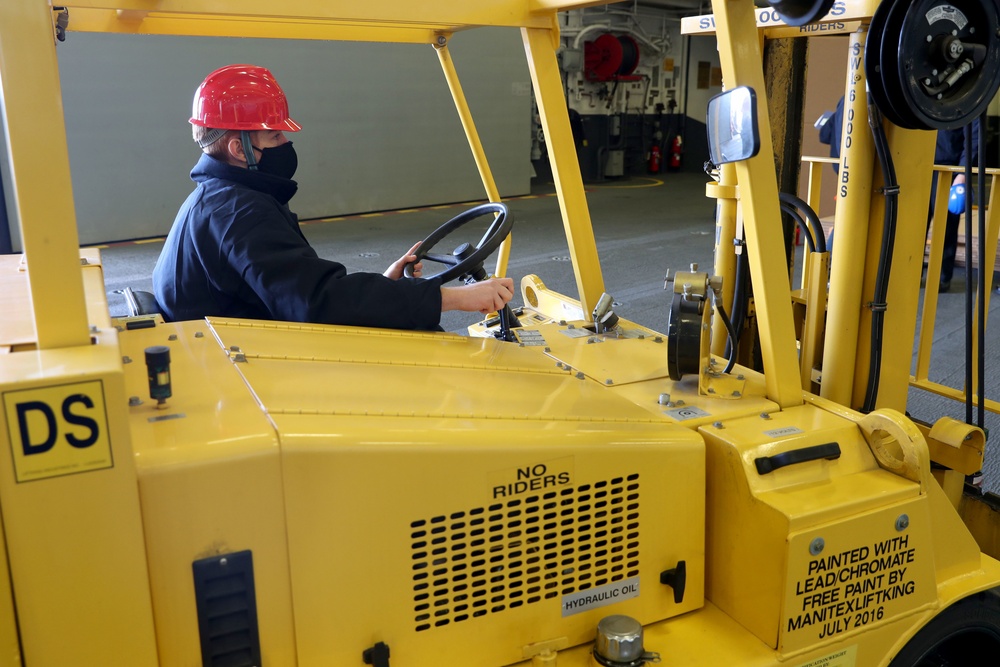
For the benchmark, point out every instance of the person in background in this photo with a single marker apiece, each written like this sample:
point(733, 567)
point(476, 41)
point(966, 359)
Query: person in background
point(830, 126)
point(235, 248)
point(949, 150)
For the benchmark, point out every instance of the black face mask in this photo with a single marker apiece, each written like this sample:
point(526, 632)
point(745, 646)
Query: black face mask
point(278, 161)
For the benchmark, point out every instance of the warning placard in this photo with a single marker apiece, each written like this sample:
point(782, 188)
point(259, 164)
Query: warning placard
point(846, 657)
point(58, 430)
point(856, 574)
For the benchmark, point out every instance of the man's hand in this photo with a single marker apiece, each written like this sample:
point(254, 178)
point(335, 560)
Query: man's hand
point(395, 270)
point(484, 297)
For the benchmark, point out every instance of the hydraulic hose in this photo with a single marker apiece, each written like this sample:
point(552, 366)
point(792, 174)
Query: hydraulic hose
point(890, 190)
point(811, 218)
point(981, 330)
point(739, 303)
point(811, 240)
point(729, 330)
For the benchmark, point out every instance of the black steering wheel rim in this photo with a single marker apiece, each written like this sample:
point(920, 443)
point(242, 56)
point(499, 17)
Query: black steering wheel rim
point(458, 266)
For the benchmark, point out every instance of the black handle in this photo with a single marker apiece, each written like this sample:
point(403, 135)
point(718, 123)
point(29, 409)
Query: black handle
point(377, 655)
point(676, 578)
point(766, 464)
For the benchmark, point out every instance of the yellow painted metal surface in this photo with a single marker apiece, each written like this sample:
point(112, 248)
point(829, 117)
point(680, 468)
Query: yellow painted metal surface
point(711, 637)
point(547, 82)
point(209, 472)
point(742, 536)
point(983, 521)
point(10, 641)
point(478, 153)
point(929, 303)
point(74, 534)
point(36, 147)
point(725, 234)
point(956, 445)
point(489, 428)
point(843, 16)
point(466, 501)
point(391, 373)
point(814, 325)
point(551, 305)
point(863, 573)
point(912, 152)
point(854, 196)
point(426, 521)
point(242, 26)
point(759, 199)
point(16, 328)
point(386, 15)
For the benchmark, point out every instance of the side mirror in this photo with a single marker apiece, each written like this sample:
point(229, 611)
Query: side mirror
point(732, 126)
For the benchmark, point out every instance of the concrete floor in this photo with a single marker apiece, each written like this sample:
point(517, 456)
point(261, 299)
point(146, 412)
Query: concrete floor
point(643, 227)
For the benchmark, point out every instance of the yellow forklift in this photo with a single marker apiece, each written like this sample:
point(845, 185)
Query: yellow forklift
point(575, 489)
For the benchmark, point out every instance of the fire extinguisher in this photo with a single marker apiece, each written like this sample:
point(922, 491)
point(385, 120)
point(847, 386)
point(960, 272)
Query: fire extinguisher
point(654, 159)
point(676, 148)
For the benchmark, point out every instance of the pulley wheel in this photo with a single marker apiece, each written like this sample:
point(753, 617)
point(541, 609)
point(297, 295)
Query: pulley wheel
point(684, 337)
point(882, 64)
point(949, 60)
point(933, 64)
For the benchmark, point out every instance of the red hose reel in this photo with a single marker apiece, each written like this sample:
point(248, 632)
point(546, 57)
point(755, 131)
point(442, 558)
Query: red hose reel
point(610, 57)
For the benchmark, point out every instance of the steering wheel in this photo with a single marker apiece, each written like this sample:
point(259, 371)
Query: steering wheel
point(466, 259)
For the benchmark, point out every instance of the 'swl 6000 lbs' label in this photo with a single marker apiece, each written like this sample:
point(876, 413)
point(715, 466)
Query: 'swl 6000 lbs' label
point(58, 430)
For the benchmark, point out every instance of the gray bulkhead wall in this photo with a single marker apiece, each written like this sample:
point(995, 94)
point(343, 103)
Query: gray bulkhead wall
point(380, 130)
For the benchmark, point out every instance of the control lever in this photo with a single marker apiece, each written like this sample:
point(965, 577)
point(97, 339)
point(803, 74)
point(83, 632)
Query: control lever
point(605, 319)
point(508, 320)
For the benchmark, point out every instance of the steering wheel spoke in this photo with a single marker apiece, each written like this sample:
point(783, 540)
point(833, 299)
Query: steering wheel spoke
point(447, 260)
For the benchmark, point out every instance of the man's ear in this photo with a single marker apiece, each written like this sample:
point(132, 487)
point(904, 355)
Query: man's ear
point(234, 150)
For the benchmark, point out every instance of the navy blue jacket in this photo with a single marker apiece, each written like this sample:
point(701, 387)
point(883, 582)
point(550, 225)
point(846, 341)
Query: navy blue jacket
point(950, 146)
point(236, 250)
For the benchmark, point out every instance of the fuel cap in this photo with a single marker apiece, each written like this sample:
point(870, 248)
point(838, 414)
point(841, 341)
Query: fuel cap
point(619, 640)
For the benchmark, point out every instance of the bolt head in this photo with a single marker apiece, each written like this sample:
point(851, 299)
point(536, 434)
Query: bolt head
point(816, 546)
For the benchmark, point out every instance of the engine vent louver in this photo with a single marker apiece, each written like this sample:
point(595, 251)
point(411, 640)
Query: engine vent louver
point(523, 550)
point(227, 610)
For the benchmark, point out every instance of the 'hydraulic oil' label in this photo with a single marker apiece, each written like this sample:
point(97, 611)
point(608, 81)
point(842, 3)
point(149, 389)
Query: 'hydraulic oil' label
point(592, 598)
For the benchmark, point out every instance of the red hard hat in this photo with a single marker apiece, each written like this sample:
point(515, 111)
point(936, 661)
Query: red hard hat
point(241, 97)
